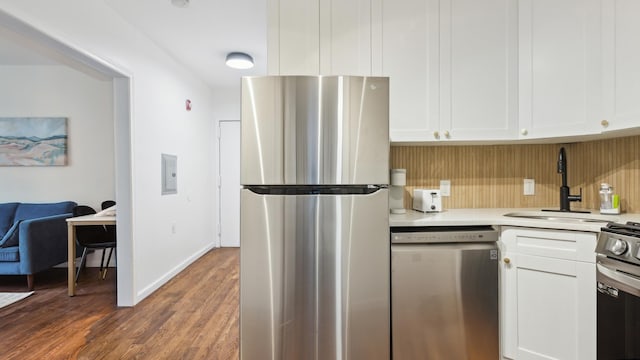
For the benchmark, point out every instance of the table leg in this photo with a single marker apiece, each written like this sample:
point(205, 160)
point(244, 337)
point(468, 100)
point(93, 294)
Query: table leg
point(71, 261)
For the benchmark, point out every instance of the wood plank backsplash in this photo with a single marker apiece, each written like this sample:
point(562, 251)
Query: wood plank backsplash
point(491, 176)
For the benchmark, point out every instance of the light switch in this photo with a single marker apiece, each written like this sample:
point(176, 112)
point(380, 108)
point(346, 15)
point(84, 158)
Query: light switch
point(529, 187)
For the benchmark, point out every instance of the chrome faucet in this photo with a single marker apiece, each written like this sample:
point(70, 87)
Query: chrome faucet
point(565, 197)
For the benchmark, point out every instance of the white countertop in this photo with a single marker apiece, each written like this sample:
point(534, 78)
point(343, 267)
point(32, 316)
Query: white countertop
point(496, 217)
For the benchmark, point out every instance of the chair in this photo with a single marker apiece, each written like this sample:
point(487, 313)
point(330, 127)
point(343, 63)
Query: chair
point(107, 204)
point(111, 229)
point(92, 237)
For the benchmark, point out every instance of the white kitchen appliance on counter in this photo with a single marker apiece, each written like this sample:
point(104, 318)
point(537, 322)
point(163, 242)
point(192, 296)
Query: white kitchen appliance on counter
point(396, 191)
point(427, 200)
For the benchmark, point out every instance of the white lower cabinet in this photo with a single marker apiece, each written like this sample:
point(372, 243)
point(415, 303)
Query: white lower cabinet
point(548, 294)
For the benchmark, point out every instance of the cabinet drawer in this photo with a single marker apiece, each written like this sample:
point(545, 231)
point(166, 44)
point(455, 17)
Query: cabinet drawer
point(568, 245)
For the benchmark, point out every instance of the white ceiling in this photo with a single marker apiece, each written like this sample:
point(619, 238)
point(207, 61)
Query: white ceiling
point(198, 36)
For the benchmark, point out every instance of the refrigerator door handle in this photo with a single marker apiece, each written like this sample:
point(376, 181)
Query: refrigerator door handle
point(314, 189)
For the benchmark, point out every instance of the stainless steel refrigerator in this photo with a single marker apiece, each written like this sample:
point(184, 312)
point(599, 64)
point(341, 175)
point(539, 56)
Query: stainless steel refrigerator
point(314, 239)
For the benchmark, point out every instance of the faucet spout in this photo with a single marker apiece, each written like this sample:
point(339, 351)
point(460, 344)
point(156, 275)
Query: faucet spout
point(562, 165)
point(565, 193)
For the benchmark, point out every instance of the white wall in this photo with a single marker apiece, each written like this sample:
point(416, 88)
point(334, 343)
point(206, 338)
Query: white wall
point(159, 124)
point(87, 103)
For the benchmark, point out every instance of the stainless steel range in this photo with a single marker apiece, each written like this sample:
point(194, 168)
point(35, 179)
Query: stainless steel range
point(618, 285)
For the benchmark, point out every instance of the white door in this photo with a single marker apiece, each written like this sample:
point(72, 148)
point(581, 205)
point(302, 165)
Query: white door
point(229, 188)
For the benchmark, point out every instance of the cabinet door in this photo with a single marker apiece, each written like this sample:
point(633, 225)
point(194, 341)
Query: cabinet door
point(453, 69)
point(478, 69)
point(548, 294)
point(621, 64)
point(560, 68)
point(324, 37)
point(550, 308)
point(410, 59)
point(348, 31)
point(293, 37)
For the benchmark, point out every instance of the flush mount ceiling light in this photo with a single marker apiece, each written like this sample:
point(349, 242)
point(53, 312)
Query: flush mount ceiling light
point(239, 60)
point(180, 3)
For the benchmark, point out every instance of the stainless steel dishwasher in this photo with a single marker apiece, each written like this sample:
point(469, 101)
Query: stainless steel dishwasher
point(444, 292)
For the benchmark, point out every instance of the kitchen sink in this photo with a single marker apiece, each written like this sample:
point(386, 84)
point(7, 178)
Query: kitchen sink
point(561, 216)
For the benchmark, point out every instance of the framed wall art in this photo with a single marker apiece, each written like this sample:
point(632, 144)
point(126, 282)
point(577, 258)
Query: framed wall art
point(33, 141)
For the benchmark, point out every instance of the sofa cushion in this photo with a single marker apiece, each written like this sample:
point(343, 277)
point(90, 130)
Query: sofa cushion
point(9, 254)
point(27, 211)
point(11, 237)
point(7, 212)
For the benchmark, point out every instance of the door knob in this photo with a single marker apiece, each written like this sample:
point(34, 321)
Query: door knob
point(507, 260)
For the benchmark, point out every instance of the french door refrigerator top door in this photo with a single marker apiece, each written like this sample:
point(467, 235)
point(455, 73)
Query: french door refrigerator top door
point(315, 130)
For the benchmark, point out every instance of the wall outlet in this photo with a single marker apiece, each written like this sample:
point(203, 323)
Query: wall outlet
point(445, 187)
point(173, 228)
point(529, 187)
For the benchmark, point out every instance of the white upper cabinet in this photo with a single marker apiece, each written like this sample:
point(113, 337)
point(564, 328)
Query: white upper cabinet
point(621, 64)
point(560, 68)
point(410, 60)
point(324, 37)
point(453, 69)
point(474, 70)
point(293, 41)
point(350, 37)
point(478, 69)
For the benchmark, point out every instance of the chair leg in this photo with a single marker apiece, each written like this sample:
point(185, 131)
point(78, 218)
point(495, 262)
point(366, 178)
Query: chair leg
point(83, 259)
point(106, 266)
point(102, 263)
point(30, 282)
point(82, 262)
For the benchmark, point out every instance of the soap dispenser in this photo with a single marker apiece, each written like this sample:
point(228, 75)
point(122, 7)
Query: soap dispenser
point(609, 202)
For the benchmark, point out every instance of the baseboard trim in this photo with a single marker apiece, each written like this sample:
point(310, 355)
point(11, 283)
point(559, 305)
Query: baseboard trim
point(142, 294)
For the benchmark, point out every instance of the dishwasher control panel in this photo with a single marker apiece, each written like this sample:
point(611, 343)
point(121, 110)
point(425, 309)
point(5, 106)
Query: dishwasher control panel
point(443, 234)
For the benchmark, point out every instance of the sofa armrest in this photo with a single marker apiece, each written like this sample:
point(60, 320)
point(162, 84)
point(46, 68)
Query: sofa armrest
point(43, 243)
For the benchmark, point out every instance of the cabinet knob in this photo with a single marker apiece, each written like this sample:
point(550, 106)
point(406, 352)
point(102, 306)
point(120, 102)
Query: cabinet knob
point(524, 132)
point(446, 134)
point(604, 123)
point(436, 135)
point(507, 260)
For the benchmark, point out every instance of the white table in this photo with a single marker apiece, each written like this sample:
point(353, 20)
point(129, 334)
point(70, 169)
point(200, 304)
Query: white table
point(71, 230)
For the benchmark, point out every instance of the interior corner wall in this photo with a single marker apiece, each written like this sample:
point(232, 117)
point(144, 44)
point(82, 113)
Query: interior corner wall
point(167, 232)
point(87, 103)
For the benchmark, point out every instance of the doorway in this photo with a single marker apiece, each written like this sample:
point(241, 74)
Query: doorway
point(229, 183)
point(30, 37)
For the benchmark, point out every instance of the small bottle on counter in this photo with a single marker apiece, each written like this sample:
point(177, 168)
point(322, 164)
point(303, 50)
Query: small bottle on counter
point(609, 202)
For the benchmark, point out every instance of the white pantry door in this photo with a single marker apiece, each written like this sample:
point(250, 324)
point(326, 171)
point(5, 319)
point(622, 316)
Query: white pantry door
point(229, 186)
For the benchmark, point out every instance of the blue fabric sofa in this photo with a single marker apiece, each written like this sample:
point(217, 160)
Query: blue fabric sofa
point(33, 237)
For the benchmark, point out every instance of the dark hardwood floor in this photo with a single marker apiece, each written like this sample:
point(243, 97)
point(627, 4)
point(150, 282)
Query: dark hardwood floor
point(194, 316)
